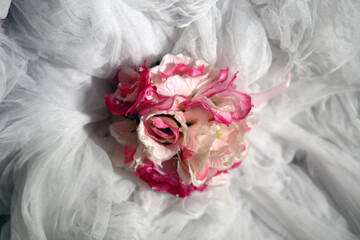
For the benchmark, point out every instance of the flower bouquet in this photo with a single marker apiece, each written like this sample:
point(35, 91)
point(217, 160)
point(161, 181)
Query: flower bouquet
point(180, 124)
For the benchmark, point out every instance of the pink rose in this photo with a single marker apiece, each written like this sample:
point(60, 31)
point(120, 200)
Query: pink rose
point(162, 134)
point(128, 85)
point(132, 86)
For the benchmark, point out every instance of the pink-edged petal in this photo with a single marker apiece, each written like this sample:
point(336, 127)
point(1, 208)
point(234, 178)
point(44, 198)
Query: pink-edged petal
point(144, 99)
point(225, 107)
point(163, 122)
point(166, 127)
point(239, 104)
point(186, 155)
point(165, 137)
point(218, 115)
point(129, 152)
point(130, 95)
point(144, 80)
point(245, 151)
point(149, 100)
point(195, 113)
point(195, 156)
point(128, 83)
point(183, 171)
point(156, 151)
point(115, 106)
point(161, 103)
point(123, 101)
point(163, 129)
point(219, 84)
point(198, 169)
point(127, 75)
point(236, 165)
point(160, 136)
point(127, 156)
point(165, 178)
point(202, 175)
point(181, 69)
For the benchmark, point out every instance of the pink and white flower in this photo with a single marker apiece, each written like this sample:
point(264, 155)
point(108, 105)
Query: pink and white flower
point(128, 85)
point(162, 134)
point(213, 146)
point(181, 124)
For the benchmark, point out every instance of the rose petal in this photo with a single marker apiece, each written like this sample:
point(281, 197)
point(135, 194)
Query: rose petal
point(156, 151)
point(193, 167)
point(129, 152)
point(124, 131)
point(233, 106)
point(181, 69)
point(165, 178)
point(199, 174)
point(128, 76)
point(196, 113)
point(115, 106)
point(218, 115)
point(128, 156)
point(128, 83)
point(164, 122)
point(163, 129)
point(217, 85)
point(164, 137)
point(239, 104)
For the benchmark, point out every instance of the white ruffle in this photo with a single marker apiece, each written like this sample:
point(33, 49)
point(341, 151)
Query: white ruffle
point(57, 62)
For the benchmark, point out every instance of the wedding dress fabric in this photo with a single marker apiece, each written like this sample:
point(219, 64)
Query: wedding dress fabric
point(301, 179)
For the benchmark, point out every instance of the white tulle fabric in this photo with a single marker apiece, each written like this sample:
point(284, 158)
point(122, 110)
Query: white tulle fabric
point(301, 179)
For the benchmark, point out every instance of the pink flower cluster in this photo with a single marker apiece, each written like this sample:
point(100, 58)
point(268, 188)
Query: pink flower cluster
point(180, 124)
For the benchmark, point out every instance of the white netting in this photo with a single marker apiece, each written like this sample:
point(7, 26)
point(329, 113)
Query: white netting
point(57, 60)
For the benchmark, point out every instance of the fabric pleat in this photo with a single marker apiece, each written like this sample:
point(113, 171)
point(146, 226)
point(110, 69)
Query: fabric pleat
point(58, 59)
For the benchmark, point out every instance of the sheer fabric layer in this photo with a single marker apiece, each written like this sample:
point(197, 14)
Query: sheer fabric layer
point(58, 59)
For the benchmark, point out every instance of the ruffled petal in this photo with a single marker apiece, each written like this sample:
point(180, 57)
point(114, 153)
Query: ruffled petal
point(116, 106)
point(155, 149)
point(181, 69)
point(124, 131)
point(165, 178)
